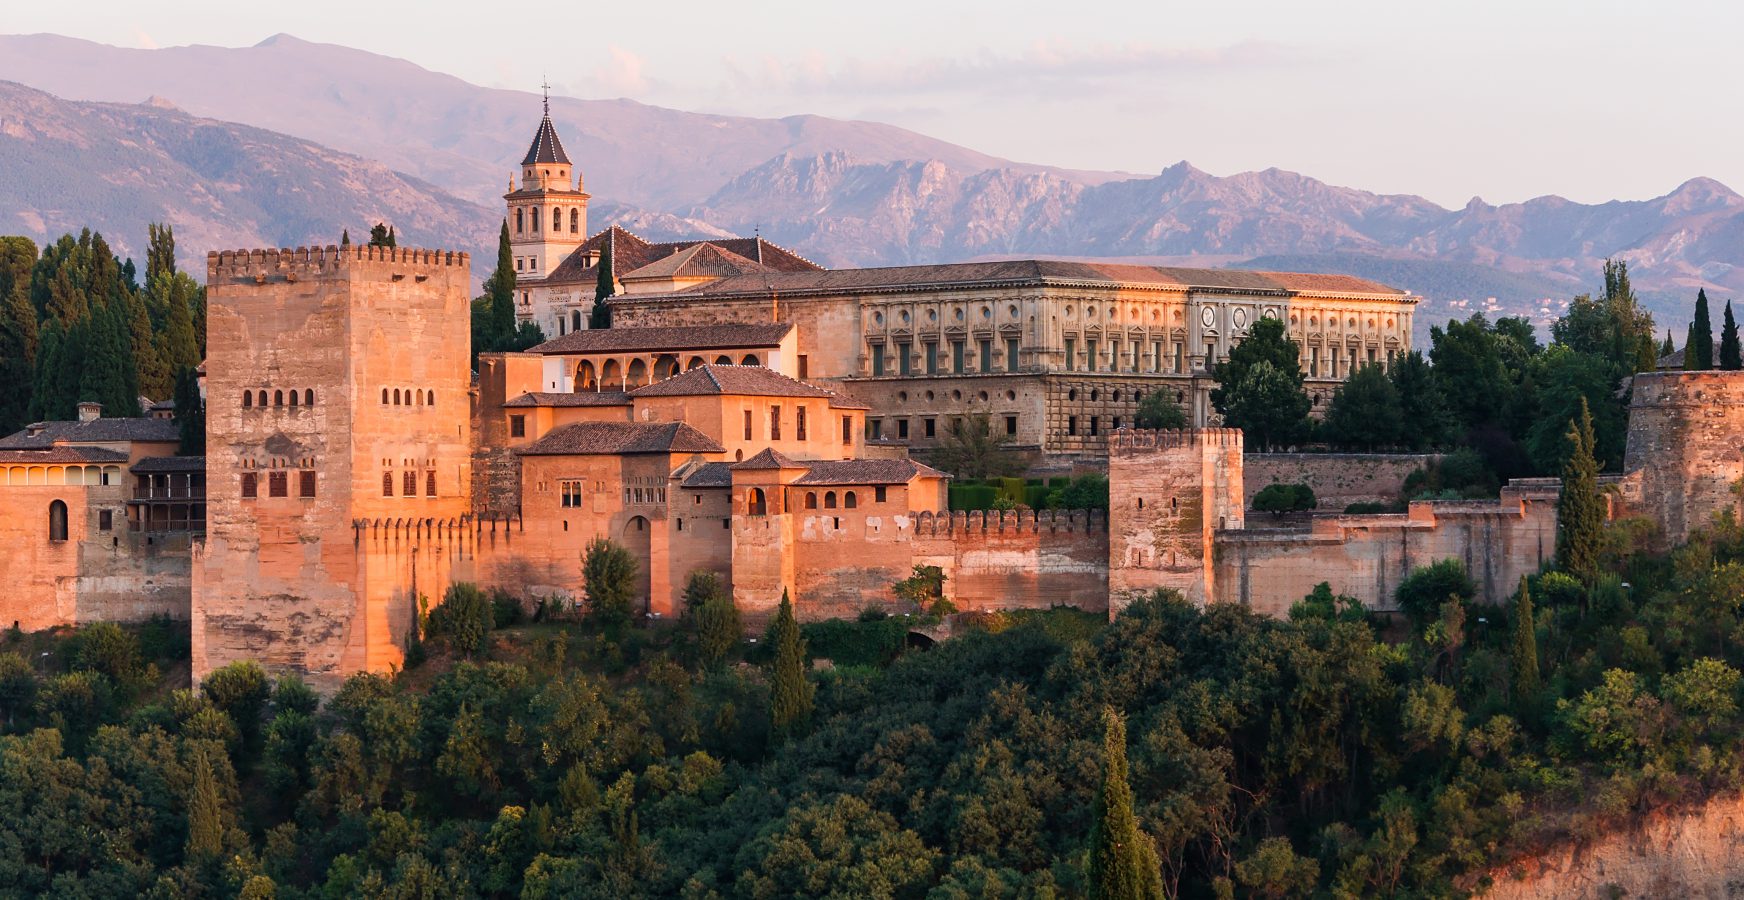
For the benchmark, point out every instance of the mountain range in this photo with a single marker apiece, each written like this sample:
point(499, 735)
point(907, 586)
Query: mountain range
point(287, 141)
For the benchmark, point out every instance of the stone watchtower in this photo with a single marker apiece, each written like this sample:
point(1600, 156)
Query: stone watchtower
point(336, 392)
point(1685, 448)
point(1169, 492)
point(548, 213)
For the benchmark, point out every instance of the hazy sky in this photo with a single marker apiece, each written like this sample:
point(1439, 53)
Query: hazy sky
point(1507, 100)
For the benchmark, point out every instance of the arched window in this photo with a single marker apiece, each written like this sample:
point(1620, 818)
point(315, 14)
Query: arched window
point(556, 218)
point(261, 401)
point(518, 222)
point(293, 398)
point(575, 320)
point(384, 396)
point(829, 500)
point(278, 398)
point(247, 399)
point(749, 360)
point(420, 396)
point(723, 360)
point(850, 501)
point(396, 396)
point(694, 362)
point(429, 398)
point(811, 499)
point(309, 397)
point(57, 521)
point(755, 503)
point(535, 212)
point(574, 220)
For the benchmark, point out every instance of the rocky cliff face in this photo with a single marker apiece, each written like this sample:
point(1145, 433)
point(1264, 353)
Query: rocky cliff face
point(1696, 854)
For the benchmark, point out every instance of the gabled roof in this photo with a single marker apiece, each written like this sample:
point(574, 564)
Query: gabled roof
point(665, 339)
point(709, 475)
point(770, 458)
point(170, 464)
point(615, 438)
point(697, 261)
point(630, 253)
point(866, 471)
point(748, 381)
point(61, 455)
point(583, 398)
point(546, 147)
point(96, 431)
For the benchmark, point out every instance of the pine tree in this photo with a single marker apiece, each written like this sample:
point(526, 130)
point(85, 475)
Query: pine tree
point(108, 374)
point(178, 346)
point(205, 811)
point(1525, 651)
point(605, 285)
point(154, 378)
point(1580, 511)
point(790, 698)
point(1730, 356)
point(49, 395)
point(1698, 351)
point(190, 413)
point(1123, 861)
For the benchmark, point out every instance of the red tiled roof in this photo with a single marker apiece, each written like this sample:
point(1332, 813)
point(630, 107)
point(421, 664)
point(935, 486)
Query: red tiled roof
point(665, 338)
point(582, 398)
point(866, 471)
point(170, 464)
point(630, 252)
point(709, 475)
point(62, 454)
point(96, 431)
point(770, 458)
point(749, 381)
point(613, 438)
point(697, 260)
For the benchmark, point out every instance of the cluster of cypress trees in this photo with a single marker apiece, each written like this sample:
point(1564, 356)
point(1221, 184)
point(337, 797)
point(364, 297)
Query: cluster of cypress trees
point(77, 324)
point(1698, 349)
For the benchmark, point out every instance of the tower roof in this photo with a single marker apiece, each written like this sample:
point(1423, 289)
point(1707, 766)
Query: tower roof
point(546, 147)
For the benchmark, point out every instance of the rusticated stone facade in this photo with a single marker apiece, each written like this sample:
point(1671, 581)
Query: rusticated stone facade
point(1169, 494)
point(372, 344)
point(1685, 449)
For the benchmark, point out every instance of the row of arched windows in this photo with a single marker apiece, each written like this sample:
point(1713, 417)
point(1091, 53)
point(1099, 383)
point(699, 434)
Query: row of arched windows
point(556, 219)
point(292, 398)
point(849, 501)
point(408, 397)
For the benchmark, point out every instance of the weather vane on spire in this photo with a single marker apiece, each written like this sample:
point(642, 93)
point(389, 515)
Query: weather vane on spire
point(544, 85)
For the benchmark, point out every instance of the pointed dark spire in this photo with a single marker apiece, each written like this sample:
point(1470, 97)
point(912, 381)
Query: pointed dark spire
point(546, 149)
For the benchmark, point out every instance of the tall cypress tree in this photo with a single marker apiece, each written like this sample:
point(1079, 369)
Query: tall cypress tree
point(1580, 511)
point(190, 413)
point(1123, 861)
point(18, 332)
point(1730, 356)
point(604, 286)
point(1667, 348)
point(500, 288)
point(205, 811)
point(1525, 650)
point(178, 347)
point(790, 699)
point(1698, 351)
point(160, 253)
point(344, 237)
point(108, 374)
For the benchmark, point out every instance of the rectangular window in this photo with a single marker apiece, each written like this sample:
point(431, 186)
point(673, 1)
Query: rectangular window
point(932, 357)
point(929, 427)
point(1071, 354)
point(1011, 425)
point(875, 429)
point(278, 484)
point(429, 482)
point(1371, 355)
point(847, 429)
point(1091, 363)
point(799, 423)
point(571, 494)
point(747, 424)
point(902, 429)
point(1351, 369)
point(775, 423)
point(878, 494)
point(877, 359)
point(1093, 426)
point(306, 483)
point(409, 487)
point(1071, 424)
point(105, 520)
point(1313, 362)
point(804, 367)
point(957, 357)
point(905, 362)
point(1180, 358)
point(986, 356)
point(517, 264)
point(517, 426)
point(1156, 356)
point(250, 485)
point(1135, 357)
point(387, 484)
point(1011, 354)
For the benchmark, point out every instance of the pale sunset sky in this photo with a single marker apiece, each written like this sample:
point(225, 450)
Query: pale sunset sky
point(1506, 100)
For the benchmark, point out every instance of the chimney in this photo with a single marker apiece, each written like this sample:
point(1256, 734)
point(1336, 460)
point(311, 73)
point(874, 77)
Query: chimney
point(90, 411)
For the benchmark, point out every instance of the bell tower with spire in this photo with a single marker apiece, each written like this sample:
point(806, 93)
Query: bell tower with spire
point(547, 214)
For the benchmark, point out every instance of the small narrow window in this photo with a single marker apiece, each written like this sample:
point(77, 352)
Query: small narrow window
point(519, 222)
point(278, 484)
point(1011, 425)
point(57, 520)
point(430, 483)
point(250, 485)
point(384, 396)
point(306, 484)
point(293, 398)
point(878, 493)
point(278, 398)
point(799, 423)
point(775, 423)
point(902, 429)
point(410, 487)
point(830, 500)
point(811, 499)
point(309, 397)
point(931, 427)
point(517, 426)
point(261, 399)
point(387, 484)
point(574, 220)
point(105, 520)
point(847, 429)
point(747, 424)
point(850, 501)
point(247, 399)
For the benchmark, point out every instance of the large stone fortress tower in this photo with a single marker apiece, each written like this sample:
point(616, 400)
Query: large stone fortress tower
point(1683, 455)
point(336, 392)
point(1169, 493)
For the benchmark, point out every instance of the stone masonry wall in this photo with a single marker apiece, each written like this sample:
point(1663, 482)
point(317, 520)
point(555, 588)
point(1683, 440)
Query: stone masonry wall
point(1685, 447)
point(1168, 493)
point(1338, 479)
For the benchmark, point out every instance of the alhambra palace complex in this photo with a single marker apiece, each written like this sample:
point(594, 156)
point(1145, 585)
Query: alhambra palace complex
point(749, 413)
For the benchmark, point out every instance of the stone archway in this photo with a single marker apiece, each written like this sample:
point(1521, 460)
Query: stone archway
point(637, 537)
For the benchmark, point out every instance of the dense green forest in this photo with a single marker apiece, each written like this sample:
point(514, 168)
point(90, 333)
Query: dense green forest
point(565, 753)
point(78, 324)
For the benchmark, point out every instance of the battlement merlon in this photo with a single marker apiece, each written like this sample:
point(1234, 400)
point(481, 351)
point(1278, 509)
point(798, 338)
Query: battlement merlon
point(1131, 440)
point(312, 263)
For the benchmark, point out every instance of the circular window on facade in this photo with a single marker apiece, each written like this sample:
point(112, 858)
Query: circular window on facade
point(986, 312)
point(983, 396)
point(929, 396)
point(1239, 316)
point(1072, 394)
point(959, 315)
point(1068, 312)
point(1094, 394)
point(905, 317)
point(1011, 311)
point(957, 396)
point(902, 396)
point(1011, 395)
point(932, 315)
point(878, 318)
point(1208, 317)
point(1269, 314)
